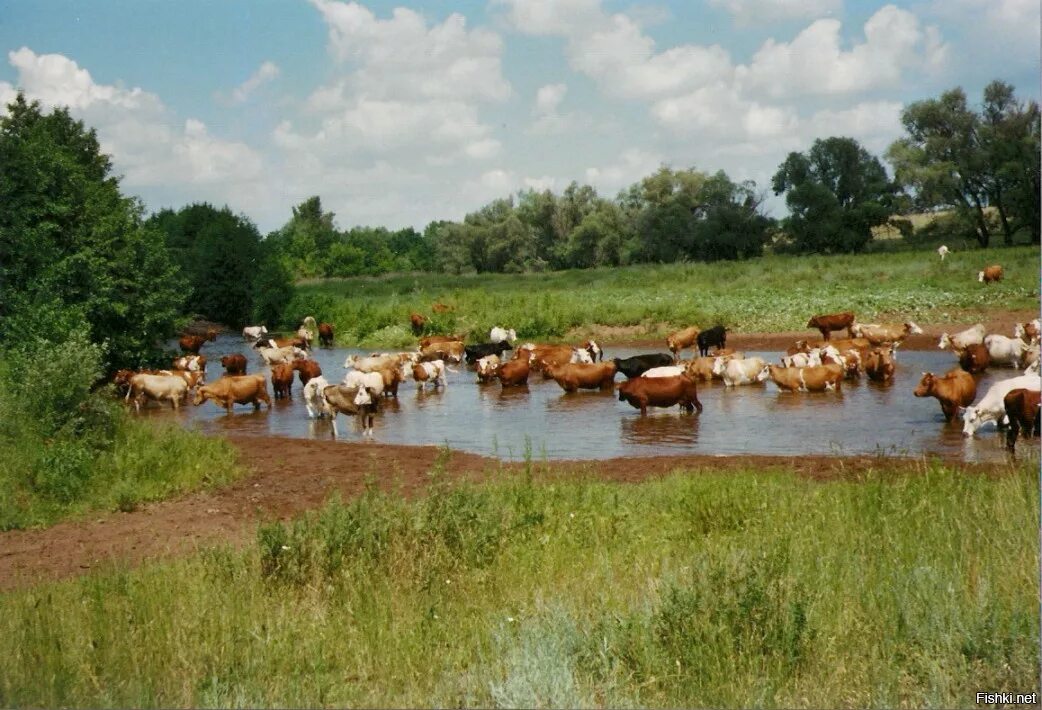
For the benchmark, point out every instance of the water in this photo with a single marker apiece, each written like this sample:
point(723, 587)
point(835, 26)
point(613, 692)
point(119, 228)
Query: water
point(541, 420)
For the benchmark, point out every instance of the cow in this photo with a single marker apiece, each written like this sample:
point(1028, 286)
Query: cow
point(676, 342)
point(991, 408)
point(234, 364)
point(974, 358)
point(441, 307)
point(850, 360)
point(591, 346)
point(514, 373)
point(499, 335)
point(587, 376)
point(642, 392)
point(476, 352)
point(974, 335)
point(191, 363)
point(700, 368)
point(392, 377)
point(451, 351)
point(943, 251)
point(879, 365)
point(352, 401)
point(432, 371)
point(487, 367)
point(432, 339)
point(804, 359)
point(1030, 359)
point(1028, 332)
point(1005, 351)
point(666, 371)
point(287, 342)
point(244, 389)
point(275, 356)
point(820, 378)
point(800, 346)
point(881, 334)
point(711, 337)
point(158, 388)
point(828, 322)
point(543, 355)
point(737, 371)
point(325, 335)
point(306, 369)
point(417, 322)
point(372, 363)
point(639, 364)
point(192, 343)
point(254, 332)
point(374, 381)
point(955, 390)
point(1022, 410)
point(313, 400)
point(282, 380)
point(990, 273)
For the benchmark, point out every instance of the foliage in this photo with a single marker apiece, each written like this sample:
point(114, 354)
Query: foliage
point(836, 193)
point(956, 157)
point(71, 246)
point(750, 588)
point(67, 447)
point(222, 257)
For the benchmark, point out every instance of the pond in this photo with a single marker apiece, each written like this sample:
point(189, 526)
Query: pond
point(542, 421)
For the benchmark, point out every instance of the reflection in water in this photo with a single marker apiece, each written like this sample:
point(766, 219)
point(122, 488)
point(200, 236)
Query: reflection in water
point(539, 418)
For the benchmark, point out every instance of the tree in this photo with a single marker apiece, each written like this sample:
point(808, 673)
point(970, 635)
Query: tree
point(72, 246)
point(304, 241)
point(1010, 140)
point(836, 193)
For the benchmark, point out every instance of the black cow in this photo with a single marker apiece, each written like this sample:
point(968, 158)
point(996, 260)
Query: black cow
point(639, 364)
point(713, 337)
point(476, 352)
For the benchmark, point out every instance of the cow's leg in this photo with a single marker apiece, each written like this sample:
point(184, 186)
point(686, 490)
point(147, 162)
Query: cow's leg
point(697, 404)
point(1011, 435)
point(949, 409)
point(332, 422)
point(643, 406)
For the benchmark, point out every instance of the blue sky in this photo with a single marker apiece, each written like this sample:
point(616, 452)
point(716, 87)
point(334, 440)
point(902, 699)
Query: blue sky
point(399, 113)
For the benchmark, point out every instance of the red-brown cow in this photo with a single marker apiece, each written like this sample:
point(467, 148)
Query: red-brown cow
point(975, 359)
point(282, 380)
point(515, 372)
point(441, 308)
point(642, 392)
point(990, 273)
point(306, 369)
point(325, 335)
point(234, 364)
point(956, 389)
point(574, 376)
point(1022, 409)
point(829, 322)
point(417, 322)
point(192, 343)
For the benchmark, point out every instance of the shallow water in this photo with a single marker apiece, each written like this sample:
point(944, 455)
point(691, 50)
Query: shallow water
point(542, 421)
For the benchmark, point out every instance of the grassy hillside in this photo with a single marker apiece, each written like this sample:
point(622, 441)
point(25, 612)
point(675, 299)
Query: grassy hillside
point(768, 294)
point(737, 590)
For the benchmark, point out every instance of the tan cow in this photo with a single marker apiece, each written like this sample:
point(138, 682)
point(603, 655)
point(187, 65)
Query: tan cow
point(157, 388)
point(955, 389)
point(682, 339)
point(241, 389)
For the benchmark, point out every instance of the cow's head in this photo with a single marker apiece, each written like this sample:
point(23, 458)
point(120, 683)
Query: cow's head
point(763, 374)
point(912, 329)
point(363, 397)
point(971, 421)
point(925, 385)
point(945, 342)
point(719, 364)
point(200, 396)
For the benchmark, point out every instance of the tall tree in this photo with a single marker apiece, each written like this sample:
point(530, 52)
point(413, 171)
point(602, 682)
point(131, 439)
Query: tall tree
point(836, 193)
point(71, 245)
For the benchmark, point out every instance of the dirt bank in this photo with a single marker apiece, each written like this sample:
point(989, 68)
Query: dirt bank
point(290, 476)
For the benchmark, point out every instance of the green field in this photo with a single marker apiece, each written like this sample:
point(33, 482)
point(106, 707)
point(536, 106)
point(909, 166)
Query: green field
point(772, 293)
point(755, 588)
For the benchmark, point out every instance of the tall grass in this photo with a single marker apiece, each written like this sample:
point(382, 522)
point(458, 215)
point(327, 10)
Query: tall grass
point(771, 293)
point(748, 589)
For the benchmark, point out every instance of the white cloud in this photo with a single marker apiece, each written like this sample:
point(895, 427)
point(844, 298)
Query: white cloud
point(539, 184)
point(632, 165)
point(748, 12)
point(552, 17)
point(548, 120)
point(265, 73)
point(1017, 22)
point(549, 97)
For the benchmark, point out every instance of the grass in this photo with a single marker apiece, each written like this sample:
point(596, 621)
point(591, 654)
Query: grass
point(42, 482)
point(756, 588)
point(772, 293)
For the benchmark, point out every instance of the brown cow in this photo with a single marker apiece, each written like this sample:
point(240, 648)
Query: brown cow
point(325, 335)
point(975, 359)
point(451, 351)
point(441, 308)
point(642, 392)
point(829, 322)
point(682, 339)
point(879, 365)
point(306, 369)
point(990, 273)
point(800, 346)
point(574, 376)
point(818, 378)
point(417, 322)
point(245, 389)
point(192, 343)
point(234, 364)
point(1022, 409)
point(435, 339)
point(515, 372)
point(956, 389)
point(701, 368)
point(282, 380)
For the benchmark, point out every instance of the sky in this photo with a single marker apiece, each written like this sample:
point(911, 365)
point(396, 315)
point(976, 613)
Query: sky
point(400, 113)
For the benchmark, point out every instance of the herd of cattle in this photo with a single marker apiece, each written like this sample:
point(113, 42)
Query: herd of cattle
point(652, 380)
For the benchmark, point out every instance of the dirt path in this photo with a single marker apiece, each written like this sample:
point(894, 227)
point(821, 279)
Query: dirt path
point(290, 476)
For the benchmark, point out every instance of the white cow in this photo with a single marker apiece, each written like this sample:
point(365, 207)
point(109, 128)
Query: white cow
point(157, 387)
point(313, 399)
point(498, 335)
point(741, 372)
point(1005, 351)
point(991, 407)
point(581, 355)
point(373, 380)
point(433, 372)
point(808, 359)
point(487, 368)
point(960, 341)
point(254, 332)
point(1019, 331)
point(943, 251)
point(666, 371)
point(372, 363)
point(288, 353)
